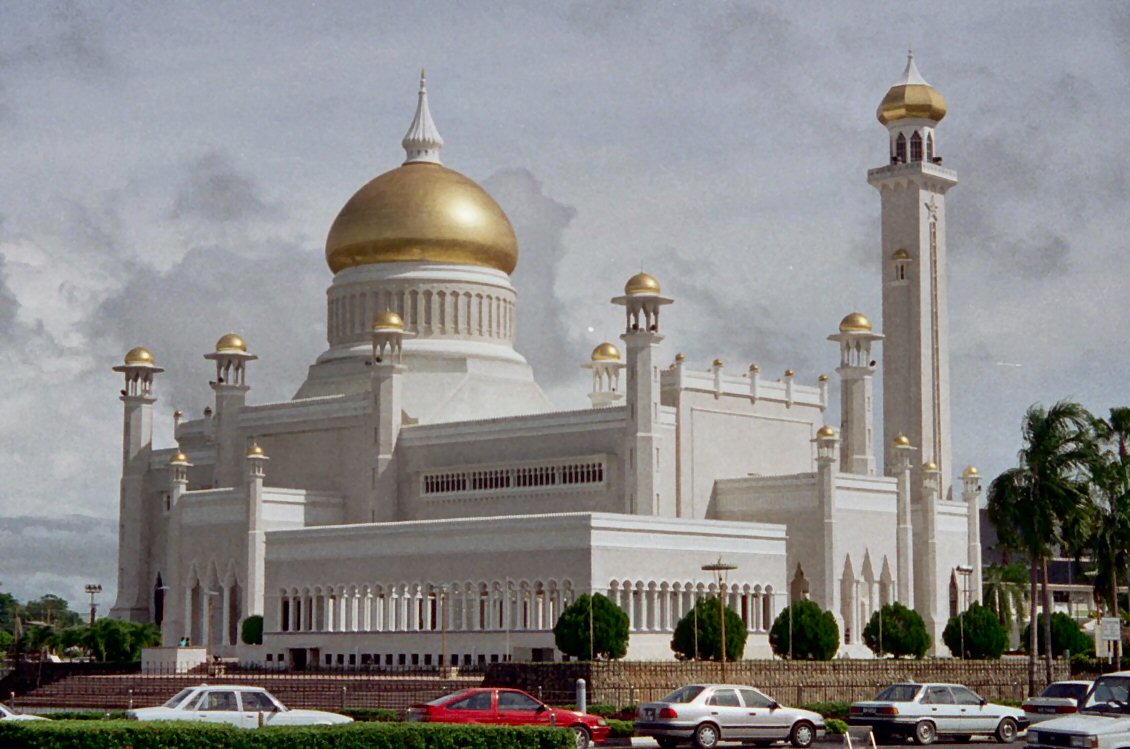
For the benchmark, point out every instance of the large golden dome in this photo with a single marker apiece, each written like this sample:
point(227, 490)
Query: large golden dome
point(422, 211)
point(911, 98)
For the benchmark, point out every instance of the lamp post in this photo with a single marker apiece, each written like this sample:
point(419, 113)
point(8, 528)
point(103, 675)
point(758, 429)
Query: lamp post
point(720, 569)
point(93, 589)
point(965, 571)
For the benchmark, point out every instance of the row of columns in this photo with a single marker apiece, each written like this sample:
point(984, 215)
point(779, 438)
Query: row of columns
point(658, 607)
point(425, 312)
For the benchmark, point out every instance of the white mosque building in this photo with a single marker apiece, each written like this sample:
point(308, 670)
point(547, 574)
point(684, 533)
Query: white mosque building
point(419, 499)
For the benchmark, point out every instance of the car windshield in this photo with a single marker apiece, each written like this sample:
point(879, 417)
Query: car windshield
point(1110, 694)
point(446, 697)
point(179, 697)
point(899, 693)
point(1062, 689)
point(683, 694)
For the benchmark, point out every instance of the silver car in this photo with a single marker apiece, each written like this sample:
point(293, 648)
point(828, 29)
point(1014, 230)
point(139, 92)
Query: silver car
point(925, 711)
point(708, 713)
point(1058, 699)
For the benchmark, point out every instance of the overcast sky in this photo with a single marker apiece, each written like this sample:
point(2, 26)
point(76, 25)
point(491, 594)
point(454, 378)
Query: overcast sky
point(168, 172)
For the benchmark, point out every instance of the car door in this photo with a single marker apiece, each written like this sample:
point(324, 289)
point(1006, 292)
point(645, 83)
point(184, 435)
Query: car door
point(477, 707)
point(257, 708)
point(519, 709)
point(220, 706)
point(938, 705)
point(765, 721)
point(973, 716)
point(725, 708)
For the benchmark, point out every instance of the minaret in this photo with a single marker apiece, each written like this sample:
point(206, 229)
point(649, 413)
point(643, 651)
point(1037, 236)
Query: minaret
point(929, 583)
point(912, 189)
point(904, 526)
point(137, 445)
point(857, 455)
point(173, 626)
point(422, 142)
point(605, 365)
point(642, 301)
point(256, 461)
point(388, 336)
point(826, 458)
point(971, 479)
point(230, 387)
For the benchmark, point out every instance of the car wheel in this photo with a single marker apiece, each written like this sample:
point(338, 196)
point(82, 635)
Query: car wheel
point(925, 733)
point(582, 737)
point(802, 734)
point(667, 742)
point(706, 736)
point(1006, 731)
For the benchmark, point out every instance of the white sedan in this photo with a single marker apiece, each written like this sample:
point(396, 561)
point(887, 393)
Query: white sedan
point(244, 707)
point(925, 711)
point(6, 713)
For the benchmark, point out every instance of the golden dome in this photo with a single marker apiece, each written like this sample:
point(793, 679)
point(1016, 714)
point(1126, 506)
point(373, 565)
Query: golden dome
point(856, 322)
point(970, 472)
point(789, 373)
point(179, 458)
point(422, 212)
point(825, 431)
point(255, 451)
point(823, 378)
point(642, 284)
point(911, 98)
point(719, 363)
point(178, 413)
point(231, 342)
point(606, 352)
point(929, 465)
point(901, 440)
point(139, 356)
point(680, 356)
point(754, 368)
point(387, 320)
point(901, 254)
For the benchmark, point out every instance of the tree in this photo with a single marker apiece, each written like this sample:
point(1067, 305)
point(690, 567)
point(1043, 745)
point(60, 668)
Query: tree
point(709, 638)
point(8, 607)
point(1040, 504)
point(1109, 538)
point(252, 631)
point(1067, 635)
point(113, 641)
point(813, 633)
point(1005, 592)
point(978, 631)
point(52, 610)
point(897, 630)
point(596, 620)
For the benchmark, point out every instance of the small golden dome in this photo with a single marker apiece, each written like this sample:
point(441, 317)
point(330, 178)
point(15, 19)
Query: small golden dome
point(680, 356)
point(856, 322)
point(178, 414)
point(901, 254)
point(901, 440)
point(422, 212)
point(179, 458)
point(929, 465)
point(255, 451)
point(606, 352)
point(825, 431)
point(387, 320)
point(970, 472)
point(823, 378)
point(789, 373)
point(911, 98)
point(231, 342)
point(754, 368)
point(642, 284)
point(719, 363)
point(139, 356)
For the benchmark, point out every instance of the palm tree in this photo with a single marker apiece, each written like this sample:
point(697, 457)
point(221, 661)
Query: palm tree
point(1039, 505)
point(1110, 484)
point(1006, 594)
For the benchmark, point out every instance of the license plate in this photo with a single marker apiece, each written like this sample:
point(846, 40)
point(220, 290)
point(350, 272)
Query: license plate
point(868, 711)
point(1045, 710)
point(649, 713)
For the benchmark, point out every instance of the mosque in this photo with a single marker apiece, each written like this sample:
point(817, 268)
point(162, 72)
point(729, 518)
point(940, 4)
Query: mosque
point(419, 501)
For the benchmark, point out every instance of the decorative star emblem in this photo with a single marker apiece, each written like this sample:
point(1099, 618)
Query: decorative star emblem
point(932, 207)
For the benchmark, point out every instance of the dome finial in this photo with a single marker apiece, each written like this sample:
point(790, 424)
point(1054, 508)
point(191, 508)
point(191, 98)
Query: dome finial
point(422, 142)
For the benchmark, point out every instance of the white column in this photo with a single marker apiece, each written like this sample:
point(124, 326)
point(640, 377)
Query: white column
point(331, 612)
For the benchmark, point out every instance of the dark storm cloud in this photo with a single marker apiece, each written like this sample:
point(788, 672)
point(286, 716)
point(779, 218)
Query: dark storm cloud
point(215, 191)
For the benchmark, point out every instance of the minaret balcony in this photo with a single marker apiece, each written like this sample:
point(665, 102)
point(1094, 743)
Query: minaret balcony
point(910, 171)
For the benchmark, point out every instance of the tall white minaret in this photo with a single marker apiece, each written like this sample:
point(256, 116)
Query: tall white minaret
point(857, 455)
point(912, 188)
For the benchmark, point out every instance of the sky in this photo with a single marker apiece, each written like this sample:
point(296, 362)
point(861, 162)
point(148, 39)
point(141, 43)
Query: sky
point(168, 173)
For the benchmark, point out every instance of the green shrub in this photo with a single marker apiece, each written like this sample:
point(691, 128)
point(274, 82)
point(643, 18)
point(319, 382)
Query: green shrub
point(371, 714)
point(88, 715)
point(978, 630)
point(606, 632)
point(839, 710)
point(706, 613)
point(252, 630)
point(1066, 635)
point(120, 734)
point(621, 729)
point(814, 634)
point(897, 630)
point(602, 709)
point(835, 727)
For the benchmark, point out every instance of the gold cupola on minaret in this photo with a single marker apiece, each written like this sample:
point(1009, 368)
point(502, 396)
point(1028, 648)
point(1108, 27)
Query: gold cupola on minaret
point(911, 98)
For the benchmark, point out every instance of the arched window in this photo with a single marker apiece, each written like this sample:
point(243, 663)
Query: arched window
point(930, 147)
point(900, 148)
point(916, 147)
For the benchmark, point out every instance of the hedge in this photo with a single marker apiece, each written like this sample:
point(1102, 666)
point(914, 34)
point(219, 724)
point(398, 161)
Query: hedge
point(839, 710)
point(128, 734)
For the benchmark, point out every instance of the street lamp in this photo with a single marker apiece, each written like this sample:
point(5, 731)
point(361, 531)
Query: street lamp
point(720, 569)
point(965, 571)
point(93, 589)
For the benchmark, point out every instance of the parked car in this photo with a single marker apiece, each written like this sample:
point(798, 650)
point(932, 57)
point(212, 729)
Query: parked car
point(708, 713)
point(925, 711)
point(7, 713)
point(245, 707)
point(1103, 720)
point(508, 707)
point(1058, 699)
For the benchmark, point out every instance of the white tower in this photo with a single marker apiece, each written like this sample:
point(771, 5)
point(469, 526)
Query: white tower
point(388, 368)
point(230, 387)
point(857, 455)
point(912, 188)
point(606, 366)
point(971, 493)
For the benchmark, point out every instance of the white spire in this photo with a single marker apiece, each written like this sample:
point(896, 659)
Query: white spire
point(911, 76)
point(422, 142)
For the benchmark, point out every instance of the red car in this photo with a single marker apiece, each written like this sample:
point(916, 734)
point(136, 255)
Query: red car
point(508, 707)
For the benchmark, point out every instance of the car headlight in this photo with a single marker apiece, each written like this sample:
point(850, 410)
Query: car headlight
point(1085, 742)
point(601, 722)
point(1033, 737)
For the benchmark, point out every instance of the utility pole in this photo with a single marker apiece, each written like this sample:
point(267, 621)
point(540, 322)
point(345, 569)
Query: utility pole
point(93, 589)
point(720, 569)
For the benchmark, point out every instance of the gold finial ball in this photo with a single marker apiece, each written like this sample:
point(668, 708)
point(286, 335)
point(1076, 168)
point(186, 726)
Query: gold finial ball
point(856, 322)
point(825, 431)
point(901, 440)
point(789, 373)
point(823, 378)
point(255, 451)
point(231, 343)
point(178, 414)
point(719, 363)
point(178, 458)
point(642, 284)
point(754, 368)
point(971, 472)
point(139, 355)
point(387, 321)
point(930, 466)
point(606, 352)
point(680, 357)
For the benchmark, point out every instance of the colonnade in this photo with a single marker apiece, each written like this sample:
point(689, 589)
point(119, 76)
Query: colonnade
point(657, 606)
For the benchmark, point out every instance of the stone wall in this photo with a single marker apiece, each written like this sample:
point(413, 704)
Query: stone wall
point(794, 683)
